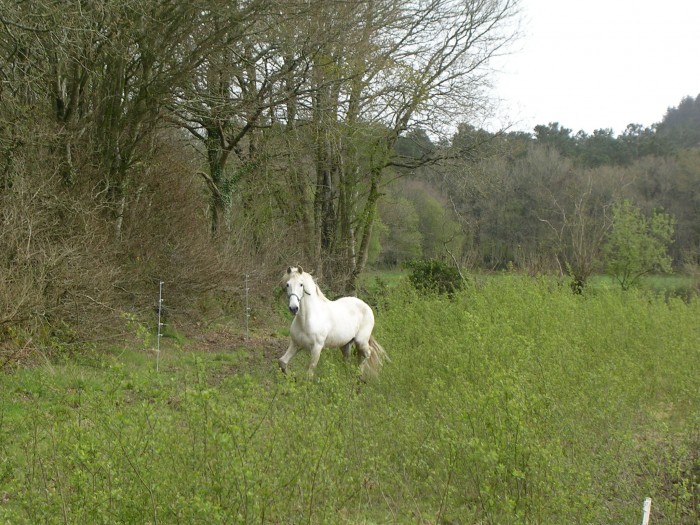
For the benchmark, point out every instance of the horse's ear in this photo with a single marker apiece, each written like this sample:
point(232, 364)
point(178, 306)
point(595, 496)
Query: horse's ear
point(301, 270)
point(289, 269)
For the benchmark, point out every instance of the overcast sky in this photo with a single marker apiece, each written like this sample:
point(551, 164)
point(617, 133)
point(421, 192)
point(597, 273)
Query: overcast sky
point(599, 63)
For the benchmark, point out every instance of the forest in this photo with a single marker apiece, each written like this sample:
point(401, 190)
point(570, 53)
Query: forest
point(546, 202)
point(208, 145)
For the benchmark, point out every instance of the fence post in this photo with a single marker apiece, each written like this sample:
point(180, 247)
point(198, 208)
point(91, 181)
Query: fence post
point(647, 511)
point(247, 308)
point(160, 324)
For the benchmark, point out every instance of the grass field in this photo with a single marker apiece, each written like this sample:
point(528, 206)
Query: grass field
point(514, 402)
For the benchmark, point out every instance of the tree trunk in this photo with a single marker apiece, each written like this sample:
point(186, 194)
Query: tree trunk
point(365, 229)
point(216, 158)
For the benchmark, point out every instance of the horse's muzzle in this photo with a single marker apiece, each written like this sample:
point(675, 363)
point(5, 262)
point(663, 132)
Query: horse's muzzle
point(294, 303)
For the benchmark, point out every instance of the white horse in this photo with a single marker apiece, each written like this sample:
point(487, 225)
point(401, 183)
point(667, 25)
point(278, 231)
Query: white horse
point(321, 323)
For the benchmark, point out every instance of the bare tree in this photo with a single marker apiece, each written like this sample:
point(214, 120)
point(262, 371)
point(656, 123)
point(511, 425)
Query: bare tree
point(242, 89)
point(400, 64)
point(105, 70)
point(574, 204)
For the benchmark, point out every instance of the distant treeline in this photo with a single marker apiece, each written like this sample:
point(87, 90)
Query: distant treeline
point(543, 201)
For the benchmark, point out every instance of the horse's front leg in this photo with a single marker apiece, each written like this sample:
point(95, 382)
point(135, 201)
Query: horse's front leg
point(291, 352)
point(315, 355)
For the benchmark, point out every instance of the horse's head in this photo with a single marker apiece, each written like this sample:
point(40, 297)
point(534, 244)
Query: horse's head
point(298, 285)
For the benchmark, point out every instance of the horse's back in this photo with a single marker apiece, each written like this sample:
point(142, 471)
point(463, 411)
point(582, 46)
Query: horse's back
point(352, 319)
point(354, 307)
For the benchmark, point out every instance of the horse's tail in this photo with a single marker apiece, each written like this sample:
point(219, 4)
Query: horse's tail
point(377, 358)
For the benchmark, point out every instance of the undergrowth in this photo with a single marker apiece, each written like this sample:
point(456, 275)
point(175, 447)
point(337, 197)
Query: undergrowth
point(514, 401)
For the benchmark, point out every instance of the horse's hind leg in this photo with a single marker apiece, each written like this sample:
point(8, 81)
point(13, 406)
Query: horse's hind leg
point(347, 350)
point(365, 353)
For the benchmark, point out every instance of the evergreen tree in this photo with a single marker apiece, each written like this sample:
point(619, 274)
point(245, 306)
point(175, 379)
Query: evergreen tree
point(681, 125)
point(556, 136)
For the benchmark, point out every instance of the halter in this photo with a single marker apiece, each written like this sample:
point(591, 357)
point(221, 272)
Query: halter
point(302, 295)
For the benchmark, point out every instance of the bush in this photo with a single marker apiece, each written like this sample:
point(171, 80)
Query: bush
point(638, 245)
point(434, 276)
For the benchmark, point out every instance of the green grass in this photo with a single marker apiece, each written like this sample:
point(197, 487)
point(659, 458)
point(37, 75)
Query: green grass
point(514, 402)
point(390, 277)
point(649, 282)
point(672, 284)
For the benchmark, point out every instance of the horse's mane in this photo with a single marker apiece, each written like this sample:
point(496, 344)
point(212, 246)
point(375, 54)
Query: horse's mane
point(318, 288)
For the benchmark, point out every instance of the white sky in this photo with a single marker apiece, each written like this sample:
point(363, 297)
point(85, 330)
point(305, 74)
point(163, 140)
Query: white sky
point(591, 64)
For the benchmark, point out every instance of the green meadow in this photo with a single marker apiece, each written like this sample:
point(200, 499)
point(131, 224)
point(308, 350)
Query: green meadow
point(513, 402)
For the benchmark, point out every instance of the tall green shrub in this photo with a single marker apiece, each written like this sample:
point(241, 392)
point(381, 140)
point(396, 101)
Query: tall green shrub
point(434, 276)
point(638, 245)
